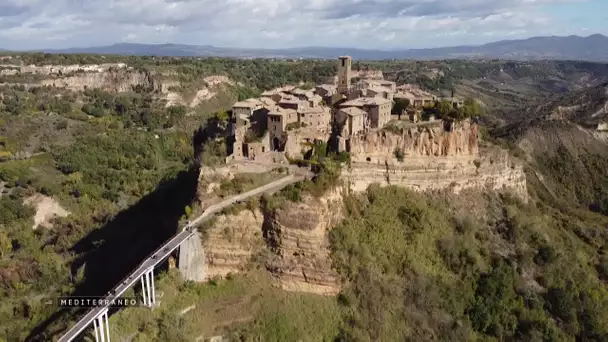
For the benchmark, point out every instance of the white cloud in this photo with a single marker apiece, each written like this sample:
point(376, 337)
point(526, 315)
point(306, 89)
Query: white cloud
point(269, 23)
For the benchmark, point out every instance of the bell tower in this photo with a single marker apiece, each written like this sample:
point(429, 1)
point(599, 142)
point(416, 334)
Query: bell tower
point(344, 74)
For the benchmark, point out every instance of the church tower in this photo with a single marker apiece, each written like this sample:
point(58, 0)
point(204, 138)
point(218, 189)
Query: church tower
point(344, 74)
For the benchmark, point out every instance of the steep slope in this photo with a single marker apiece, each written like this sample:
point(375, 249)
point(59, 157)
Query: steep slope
point(566, 144)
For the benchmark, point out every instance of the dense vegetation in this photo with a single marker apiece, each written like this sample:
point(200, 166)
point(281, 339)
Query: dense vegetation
point(414, 270)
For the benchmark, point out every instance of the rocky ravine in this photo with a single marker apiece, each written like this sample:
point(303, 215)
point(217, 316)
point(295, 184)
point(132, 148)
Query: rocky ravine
point(292, 242)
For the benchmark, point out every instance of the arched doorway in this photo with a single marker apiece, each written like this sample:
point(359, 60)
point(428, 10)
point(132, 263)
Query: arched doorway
point(276, 144)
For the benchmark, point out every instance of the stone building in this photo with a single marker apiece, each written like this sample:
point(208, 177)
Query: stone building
point(344, 74)
point(417, 98)
point(380, 92)
point(378, 109)
point(354, 121)
point(326, 90)
point(278, 119)
point(317, 117)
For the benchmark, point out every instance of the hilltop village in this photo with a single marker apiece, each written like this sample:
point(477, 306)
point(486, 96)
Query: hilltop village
point(280, 120)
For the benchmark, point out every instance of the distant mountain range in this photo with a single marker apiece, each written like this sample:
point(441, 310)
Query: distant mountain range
point(591, 48)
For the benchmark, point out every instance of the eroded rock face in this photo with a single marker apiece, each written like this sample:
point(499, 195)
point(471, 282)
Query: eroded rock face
point(292, 242)
point(232, 241)
point(436, 139)
point(114, 81)
point(492, 170)
point(298, 235)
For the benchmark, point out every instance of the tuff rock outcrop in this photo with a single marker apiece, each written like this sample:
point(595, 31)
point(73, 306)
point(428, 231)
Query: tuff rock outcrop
point(291, 242)
point(114, 81)
point(435, 139)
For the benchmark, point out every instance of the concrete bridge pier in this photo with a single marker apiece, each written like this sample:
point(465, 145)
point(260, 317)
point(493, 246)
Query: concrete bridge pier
point(147, 287)
point(191, 263)
point(102, 328)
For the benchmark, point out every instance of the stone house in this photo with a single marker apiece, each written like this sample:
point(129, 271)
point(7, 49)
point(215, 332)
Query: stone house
point(272, 95)
point(256, 149)
point(317, 117)
point(417, 98)
point(378, 109)
point(246, 107)
point(390, 85)
point(326, 90)
point(292, 102)
point(355, 121)
point(305, 95)
point(380, 92)
point(278, 119)
point(383, 85)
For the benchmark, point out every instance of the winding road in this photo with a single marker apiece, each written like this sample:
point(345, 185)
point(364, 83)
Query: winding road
point(168, 247)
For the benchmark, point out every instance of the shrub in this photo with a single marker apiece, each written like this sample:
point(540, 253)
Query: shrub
point(399, 154)
point(545, 255)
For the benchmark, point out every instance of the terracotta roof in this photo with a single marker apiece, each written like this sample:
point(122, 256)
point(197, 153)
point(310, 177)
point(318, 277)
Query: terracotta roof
point(328, 87)
point(386, 82)
point(281, 111)
point(267, 102)
point(298, 91)
point(269, 92)
point(413, 95)
point(379, 88)
point(353, 111)
point(246, 104)
point(313, 110)
point(366, 101)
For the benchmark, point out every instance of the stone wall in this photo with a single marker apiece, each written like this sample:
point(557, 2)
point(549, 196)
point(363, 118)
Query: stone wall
point(295, 139)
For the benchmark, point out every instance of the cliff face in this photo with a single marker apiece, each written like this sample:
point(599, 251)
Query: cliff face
point(297, 234)
point(114, 81)
point(291, 242)
point(232, 241)
point(492, 169)
point(432, 139)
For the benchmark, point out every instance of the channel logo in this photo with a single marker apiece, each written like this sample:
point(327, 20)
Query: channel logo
point(91, 302)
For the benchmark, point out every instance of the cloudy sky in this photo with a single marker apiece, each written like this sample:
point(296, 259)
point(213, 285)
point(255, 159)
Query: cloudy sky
point(387, 24)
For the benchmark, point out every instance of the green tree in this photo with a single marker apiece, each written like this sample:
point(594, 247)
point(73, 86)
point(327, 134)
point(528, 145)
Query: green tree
point(496, 302)
point(471, 108)
point(400, 106)
point(444, 108)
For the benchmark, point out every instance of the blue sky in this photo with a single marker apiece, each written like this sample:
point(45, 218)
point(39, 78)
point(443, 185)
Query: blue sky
point(384, 24)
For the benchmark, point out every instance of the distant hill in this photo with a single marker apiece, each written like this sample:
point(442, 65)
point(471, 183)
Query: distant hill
point(591, 48)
